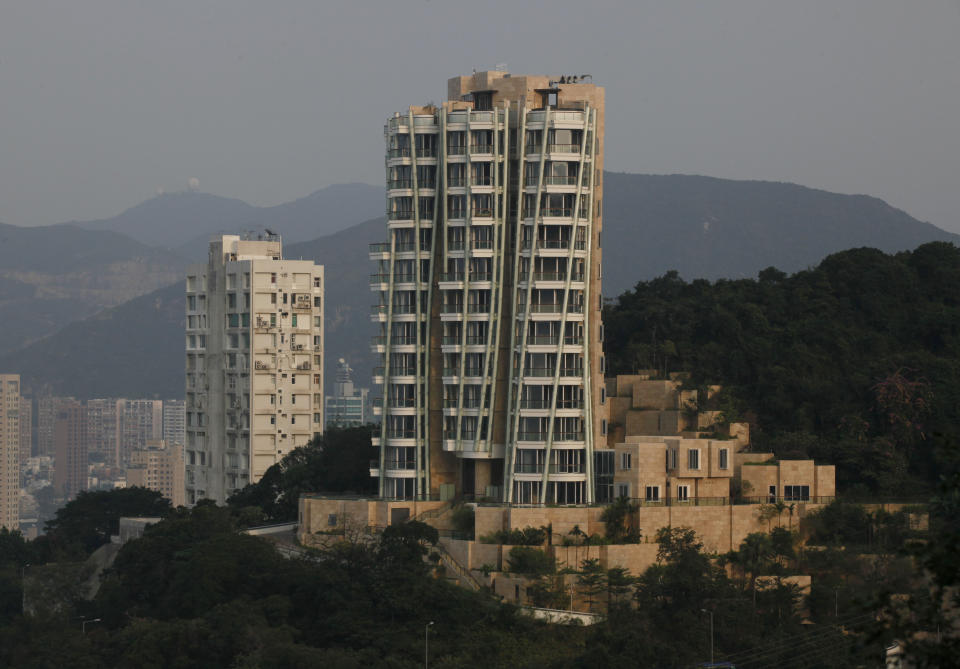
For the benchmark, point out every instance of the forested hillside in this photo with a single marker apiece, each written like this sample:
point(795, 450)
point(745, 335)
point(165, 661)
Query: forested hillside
point(855, 362)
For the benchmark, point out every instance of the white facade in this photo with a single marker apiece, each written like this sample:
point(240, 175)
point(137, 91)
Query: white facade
point(10, 451)
point(254, 363)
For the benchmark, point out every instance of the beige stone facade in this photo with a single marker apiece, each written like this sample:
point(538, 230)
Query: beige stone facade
point(254, 363)
point(10, 451)
point(159, 467)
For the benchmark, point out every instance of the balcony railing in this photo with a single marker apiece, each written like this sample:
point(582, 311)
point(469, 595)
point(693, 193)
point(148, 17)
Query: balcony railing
point(401, 152)
point(402, 403)
point(451, 276)
point(481, 181)
point(481, 148)
point(456, 182)
point(400, 183)
point(456, 149)
point(478, 308)
point(480, 276)
point(481, 213)
point(451, 308)
point(482, 243)
point(380, 247)
point(401, 434)
point(550, 276)
point(527, 468)
point(403, 215)
point(398, 464)
point(531, 436)
point(455, 245)
point(426, 152)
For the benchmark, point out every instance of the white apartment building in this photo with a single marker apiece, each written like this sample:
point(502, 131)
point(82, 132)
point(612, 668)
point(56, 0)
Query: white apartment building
point(10, 451)
point(254, 363)
point(174, 422)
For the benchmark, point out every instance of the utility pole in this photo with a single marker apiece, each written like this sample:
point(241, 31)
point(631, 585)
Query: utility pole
point(711, 633)
point(426, 645)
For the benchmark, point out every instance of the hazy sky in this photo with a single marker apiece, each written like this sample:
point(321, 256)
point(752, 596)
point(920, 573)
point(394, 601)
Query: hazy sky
point(103, 103)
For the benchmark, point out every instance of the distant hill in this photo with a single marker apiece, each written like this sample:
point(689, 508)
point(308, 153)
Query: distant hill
point(185, 221)
point(52, 275)
point(136, 349)
point(703, 227)
point(717, 228)
point(132, 350)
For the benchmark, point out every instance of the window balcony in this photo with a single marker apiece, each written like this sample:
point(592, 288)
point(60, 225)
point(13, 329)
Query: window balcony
point(527, 468)
point(402, 215)
point(393, 184)
point(401, 152)
point(481, 148)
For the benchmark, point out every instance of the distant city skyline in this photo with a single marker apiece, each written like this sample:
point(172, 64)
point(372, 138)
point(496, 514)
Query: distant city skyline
point(107, 103)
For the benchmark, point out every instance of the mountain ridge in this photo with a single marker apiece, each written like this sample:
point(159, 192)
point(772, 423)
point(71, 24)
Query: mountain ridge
point(652, 224)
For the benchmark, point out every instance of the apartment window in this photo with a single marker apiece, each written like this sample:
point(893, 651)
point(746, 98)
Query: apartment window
point(316, 418)
point(316, 379)
point(316, 340)
point(293, 418)
point(293, 320)
point(683, 493)
point(603, 426)
point(653, 493)
point(331, 520)
point(316, 302)
point(625, 461)
point(316, 282)
point(724, 458)
point(693, 458)
point(293, 378)
point(293, 399)
point(796, 493)
point(273, 277)
point(603, 395)
point(772, 494)
point(273, 319)
point(273, 420)
point(623, 490)
point(317, 321)
point(273, 298)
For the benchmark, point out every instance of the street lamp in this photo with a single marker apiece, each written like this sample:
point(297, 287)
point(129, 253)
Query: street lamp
point(83, 625)
point(426, 645)
point(711, 633)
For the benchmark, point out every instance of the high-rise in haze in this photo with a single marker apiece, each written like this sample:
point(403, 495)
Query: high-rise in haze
point(489, 292)
point(10, 451)
point(254, 363)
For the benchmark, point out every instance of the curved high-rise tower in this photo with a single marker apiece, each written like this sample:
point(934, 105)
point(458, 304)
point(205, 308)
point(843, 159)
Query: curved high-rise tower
point(489, 293)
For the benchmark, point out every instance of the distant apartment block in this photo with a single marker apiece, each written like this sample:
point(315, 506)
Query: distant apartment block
point(10, 451)
point(47, 408)
point(103, 429)
point(488, 286)
point(26, 429)
point(159, 467)
point(141, 421)
point(70, 450)
point(347, 407)
point(174, 422)
point(254, 363)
